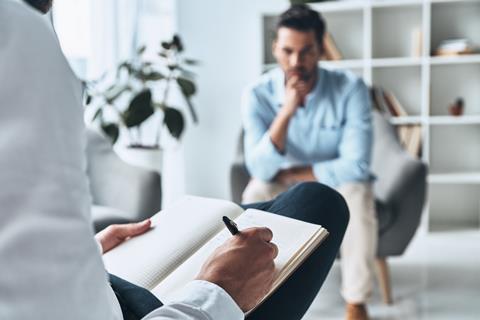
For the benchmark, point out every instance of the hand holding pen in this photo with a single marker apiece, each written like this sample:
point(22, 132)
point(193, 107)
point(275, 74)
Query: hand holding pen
point(244, 265)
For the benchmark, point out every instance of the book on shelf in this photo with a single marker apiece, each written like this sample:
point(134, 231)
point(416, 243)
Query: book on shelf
point(331, 51)
point(394, 106)
point(415, 141)
point(417, 43)
point(185, 234)
point(387, 103)
point(410, 136)
point(452, 47)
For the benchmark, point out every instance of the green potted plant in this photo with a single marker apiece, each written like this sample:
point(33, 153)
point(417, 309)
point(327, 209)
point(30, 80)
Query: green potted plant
point(140, 89)
point(129, 102)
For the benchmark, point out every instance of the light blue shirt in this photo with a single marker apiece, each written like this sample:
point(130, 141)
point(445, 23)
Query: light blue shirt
point(332, 132)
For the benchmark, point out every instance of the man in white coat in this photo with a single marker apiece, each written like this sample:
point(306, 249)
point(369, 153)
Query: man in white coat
point(50, 264)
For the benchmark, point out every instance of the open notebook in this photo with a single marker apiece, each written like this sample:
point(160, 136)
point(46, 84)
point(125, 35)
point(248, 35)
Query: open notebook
point(170, 255)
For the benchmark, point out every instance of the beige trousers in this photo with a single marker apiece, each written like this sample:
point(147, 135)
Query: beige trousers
point(360, 241)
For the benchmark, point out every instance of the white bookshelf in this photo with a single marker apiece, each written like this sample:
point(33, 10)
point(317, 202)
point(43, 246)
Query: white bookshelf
point(376, 39)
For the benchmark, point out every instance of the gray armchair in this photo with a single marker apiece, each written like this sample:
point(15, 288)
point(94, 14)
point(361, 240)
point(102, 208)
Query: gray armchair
point(121, 193)
point(400, 191)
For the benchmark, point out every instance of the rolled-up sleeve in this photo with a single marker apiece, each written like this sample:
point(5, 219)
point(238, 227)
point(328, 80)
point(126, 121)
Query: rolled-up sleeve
point(353, 162)
point(199, 300)
point(262, 158)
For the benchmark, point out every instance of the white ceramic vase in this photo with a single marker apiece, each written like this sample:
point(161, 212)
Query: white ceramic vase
point(151, 159)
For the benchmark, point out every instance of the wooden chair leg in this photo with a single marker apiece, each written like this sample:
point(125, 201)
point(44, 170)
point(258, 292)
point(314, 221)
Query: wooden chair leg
point(383, 276)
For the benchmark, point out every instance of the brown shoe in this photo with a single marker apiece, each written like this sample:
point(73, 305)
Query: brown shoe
point(356, 312)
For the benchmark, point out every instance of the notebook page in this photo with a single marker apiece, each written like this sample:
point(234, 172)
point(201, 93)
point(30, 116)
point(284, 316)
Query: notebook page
point(289, 235)
point(178, 231)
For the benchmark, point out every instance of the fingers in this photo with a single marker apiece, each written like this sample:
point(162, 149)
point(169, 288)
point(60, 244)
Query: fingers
point(274, 248)
point(265, 234)
point(293, 81)
point(134, 229)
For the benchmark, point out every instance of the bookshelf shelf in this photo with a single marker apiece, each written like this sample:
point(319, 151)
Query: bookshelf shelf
point(468, 58)
point(452, 120)
point(455, 178)
point(338, 6)
point(392, 44)
point(397, 62)
point(451, 1)
point(405, 120)
point(395, 3)
point(344, 64)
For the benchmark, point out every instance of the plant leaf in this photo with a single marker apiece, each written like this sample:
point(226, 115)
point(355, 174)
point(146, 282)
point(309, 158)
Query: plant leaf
point(114, 92)
point(192, 110)
point(191, 62)
point(177, 42)
point(166, 45)
point(141, 50)
point(163, 54)
point(187, 86)
point(139, 110)
point(151, 76)
point(187, 73)
point(98, 113)
point(174, 121)
point(127, 65)
point(111, 130)
point(88, 99)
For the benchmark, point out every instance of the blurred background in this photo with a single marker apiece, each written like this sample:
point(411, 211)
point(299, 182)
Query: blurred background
point(420, 57)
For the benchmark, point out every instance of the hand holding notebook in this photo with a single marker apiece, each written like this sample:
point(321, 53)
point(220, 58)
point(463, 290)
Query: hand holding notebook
point(185, 235)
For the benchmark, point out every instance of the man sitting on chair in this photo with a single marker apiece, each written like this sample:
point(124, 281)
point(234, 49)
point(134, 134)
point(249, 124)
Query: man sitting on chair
point(306, 123)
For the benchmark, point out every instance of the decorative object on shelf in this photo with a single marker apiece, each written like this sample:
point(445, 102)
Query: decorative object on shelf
point(456, 108)
point(125, 105)
point(453, 47)
point(331, 51)
point(417, 42)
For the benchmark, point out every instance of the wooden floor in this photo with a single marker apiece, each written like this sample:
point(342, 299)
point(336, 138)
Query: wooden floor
point(437, 278)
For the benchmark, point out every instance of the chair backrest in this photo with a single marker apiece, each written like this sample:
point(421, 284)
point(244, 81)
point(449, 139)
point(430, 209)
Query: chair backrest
point(116, 184)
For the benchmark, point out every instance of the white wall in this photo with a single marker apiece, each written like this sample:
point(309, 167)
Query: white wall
point(226, 36)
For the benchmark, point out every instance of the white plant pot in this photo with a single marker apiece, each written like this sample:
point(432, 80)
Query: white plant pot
point(151, 159)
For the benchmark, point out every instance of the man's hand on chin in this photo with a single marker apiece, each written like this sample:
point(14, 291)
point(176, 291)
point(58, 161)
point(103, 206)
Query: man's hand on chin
point(288, 177)
point(115, 234)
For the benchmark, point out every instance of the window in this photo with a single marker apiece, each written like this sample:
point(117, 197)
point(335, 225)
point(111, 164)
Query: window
point(96, 35)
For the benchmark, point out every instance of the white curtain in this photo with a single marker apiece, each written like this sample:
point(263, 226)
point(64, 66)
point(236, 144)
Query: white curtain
point(114, 32)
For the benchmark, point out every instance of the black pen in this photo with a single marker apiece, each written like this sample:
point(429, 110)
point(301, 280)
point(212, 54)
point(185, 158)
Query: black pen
point(231, 226)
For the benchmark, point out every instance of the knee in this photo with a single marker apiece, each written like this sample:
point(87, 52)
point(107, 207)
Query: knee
point(254, 192)
point(321, 197)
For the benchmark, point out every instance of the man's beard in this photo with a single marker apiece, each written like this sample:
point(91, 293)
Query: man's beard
point(304, 74)
point(41, 5)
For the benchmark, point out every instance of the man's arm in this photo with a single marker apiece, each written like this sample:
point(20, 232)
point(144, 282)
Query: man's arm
point(232, 280)
point(295, 93)
point(264, 142)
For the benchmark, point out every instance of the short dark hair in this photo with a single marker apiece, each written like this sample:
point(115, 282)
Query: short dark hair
point(41, 5)
point(301, 17)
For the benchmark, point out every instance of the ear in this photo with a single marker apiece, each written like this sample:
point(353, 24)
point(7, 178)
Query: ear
point(274, 47)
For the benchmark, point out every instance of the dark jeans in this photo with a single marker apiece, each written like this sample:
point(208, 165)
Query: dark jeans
point(310, 202)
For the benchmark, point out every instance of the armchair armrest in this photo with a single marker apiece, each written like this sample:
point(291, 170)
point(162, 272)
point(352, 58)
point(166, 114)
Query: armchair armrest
point(403, 188)
point(239, 178)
